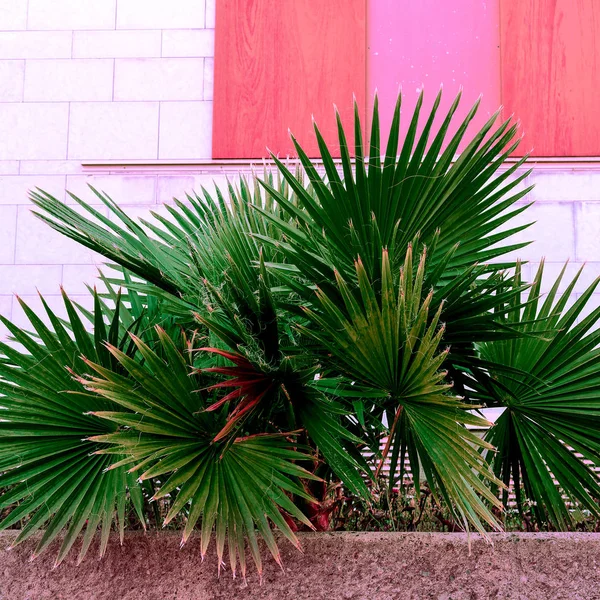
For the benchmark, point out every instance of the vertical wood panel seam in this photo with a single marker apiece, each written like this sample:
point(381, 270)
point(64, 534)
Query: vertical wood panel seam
point(366, 75)
point(501, 74)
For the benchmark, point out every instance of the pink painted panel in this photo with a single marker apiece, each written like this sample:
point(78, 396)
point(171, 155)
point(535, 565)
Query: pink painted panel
point(551, 73)
point(413, 44)
point(276, 62)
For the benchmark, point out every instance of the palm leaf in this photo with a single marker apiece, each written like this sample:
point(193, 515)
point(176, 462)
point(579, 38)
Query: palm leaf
point(417, 190)
point(391, 344)
point(199, 239)
point(234, 485)
point(420, 193)
point(548, 437)
point(51, 477)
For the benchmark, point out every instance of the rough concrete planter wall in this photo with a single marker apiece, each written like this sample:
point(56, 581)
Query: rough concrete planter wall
point(357, 566)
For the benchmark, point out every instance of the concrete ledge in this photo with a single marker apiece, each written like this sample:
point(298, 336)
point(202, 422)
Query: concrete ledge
point(355, 566)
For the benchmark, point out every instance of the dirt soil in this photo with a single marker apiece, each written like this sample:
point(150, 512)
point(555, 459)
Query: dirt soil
point(352, 566)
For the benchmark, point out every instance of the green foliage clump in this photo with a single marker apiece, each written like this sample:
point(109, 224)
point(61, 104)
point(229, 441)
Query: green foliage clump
point(281, 352)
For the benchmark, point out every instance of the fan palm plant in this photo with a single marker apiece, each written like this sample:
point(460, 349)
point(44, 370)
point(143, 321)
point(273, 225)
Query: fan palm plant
point(321, 321)
point(551, 417)
point(51, 474)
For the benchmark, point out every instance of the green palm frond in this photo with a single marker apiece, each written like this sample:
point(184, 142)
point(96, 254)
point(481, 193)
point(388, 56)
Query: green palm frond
point(419, 189)
point(51, 477)
point(391, 343)
point(420, 192)
point(273, 375)
point(234, 485)
point(201, 238)
point(550, 430)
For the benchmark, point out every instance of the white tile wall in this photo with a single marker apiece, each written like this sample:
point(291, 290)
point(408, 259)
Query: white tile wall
point(35, 44)
point(29, 279)
point(50, 167)
point(552, 231)
point(13, 15)
point(553, 269)
point(38, 244)
point(177, 186)
point(113, 130)
point(210, 13)
point(71, 14)
point(159, 14)
point(188, 42)
point(5, 311)
point(209, 70)
point(12, 75)
point(116, 44)
point(185, 129)
point(68, 80)
point(159, 79)
point(126, 189)
point(14, 189)
point(8, 224)
point(33, 131)
point(170, 187)
point(562, 185)
point(9, 167)
point(587, 222)
point(85, 80)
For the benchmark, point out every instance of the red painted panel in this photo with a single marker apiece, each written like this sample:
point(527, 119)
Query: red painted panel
point(551, 73)
point(277, 62)
point(426, 43)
